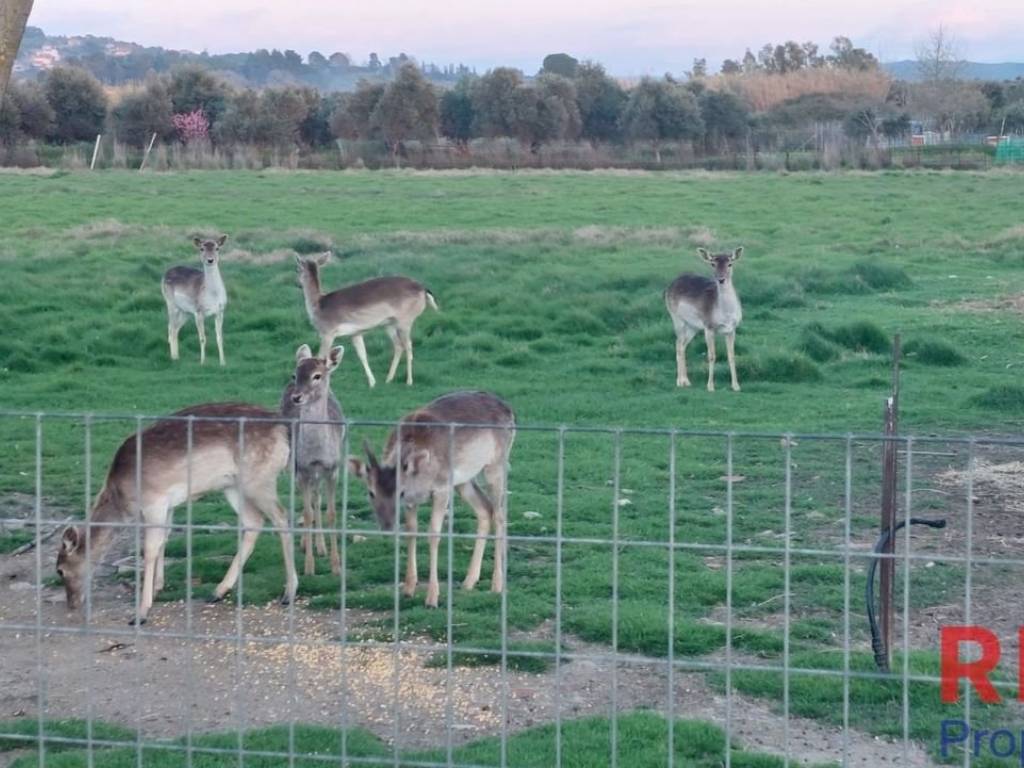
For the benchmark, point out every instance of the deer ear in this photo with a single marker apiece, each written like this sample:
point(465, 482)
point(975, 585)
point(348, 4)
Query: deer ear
point(221, 240)
point(323, 258)
point(303, 353)
point(705, 255)
point(737, 254)
point(197, 242)
point(334, 357)
point(70, 540)
point(357, 468)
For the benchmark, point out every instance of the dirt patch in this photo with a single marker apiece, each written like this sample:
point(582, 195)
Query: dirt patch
point(1014, 303)
point(213, 668)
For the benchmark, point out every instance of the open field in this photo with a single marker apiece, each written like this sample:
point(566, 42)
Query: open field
point(550, 292)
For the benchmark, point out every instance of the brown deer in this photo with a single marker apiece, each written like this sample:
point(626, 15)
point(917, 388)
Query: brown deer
point(243, 465)
point(316, 446)
point(435, 457)
point(391, 302)
point(699, 303)
point(189, 291)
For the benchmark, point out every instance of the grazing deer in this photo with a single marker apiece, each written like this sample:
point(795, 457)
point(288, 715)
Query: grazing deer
point(244, 467)
point(316, 447)
point(700, 303)
point(199, 293)
point(392, 302)
point(435, 457)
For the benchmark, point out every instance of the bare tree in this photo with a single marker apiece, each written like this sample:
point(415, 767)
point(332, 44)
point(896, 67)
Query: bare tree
point(939, 58)
point(942, 93)
point(13, 18)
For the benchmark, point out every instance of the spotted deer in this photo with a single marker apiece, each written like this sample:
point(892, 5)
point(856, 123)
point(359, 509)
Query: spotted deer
point(436, 457)
point(316, 446)
point(391, 302)
point(243, 462)
point(698, 303)
point(189, 291)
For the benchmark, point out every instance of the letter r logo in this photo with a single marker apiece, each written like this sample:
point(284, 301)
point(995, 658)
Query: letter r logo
point(953, 670)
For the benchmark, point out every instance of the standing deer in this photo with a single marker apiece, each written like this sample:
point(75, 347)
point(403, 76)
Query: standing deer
point(392, 302)
point(435, 457)
point(188, 291)
point(699, 303)
point(244, 466)
point(316, 446)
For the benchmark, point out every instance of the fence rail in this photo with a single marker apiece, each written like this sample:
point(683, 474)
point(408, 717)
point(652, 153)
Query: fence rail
point(677, 465)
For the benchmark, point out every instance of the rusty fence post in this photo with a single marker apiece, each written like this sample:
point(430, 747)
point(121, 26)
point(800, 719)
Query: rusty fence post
point(887, 567)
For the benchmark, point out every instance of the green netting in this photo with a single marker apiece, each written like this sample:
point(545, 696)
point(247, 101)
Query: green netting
point(1010, 150)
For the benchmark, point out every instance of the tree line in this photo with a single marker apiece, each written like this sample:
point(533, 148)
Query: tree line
point(787, 88)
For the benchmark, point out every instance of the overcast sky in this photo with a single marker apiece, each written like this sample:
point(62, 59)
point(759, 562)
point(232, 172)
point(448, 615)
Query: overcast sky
point(629, 37)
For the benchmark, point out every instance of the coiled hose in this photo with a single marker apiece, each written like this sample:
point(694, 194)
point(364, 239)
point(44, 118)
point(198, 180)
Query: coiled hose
point(881, 657)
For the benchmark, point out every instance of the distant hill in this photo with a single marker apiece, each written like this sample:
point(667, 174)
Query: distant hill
point(973, 70)
point(115, 62)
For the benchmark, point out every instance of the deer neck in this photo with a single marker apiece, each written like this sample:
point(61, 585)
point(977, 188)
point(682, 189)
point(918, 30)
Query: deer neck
point(211, 275)
point(316, 409)
point(311, 293)
point(104, 511)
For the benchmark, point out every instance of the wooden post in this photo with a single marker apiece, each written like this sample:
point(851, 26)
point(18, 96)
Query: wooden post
point(95, 151)
point(887, 568)
point(149, 149)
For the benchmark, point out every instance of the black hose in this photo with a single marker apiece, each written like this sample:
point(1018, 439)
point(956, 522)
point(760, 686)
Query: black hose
point(881, 657)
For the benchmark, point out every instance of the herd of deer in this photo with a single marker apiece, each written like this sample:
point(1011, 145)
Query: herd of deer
point(241, 450)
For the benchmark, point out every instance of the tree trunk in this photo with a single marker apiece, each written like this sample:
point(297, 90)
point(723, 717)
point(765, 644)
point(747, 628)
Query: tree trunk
point(13, 18)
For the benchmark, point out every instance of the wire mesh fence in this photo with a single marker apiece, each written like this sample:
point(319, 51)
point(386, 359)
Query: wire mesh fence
point(668, 595)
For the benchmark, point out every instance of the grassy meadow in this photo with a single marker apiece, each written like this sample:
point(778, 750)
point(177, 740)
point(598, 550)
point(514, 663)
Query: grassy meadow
point(550, 289)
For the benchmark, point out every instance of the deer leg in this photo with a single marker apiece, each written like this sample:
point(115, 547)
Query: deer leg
point(357, 342)
point(332, 520)
point(406, 336)
point(396, 356)
point(318, 501)
point(201, 328)
point(709, 337)
point(437, 515)
point(683, 336)
point(266, 502)
point(478, 500)
point(159, 583)
point(411, 571)
point(307, 535)
point(497, 478)
point(251, 523)
point(325, 344)
point(218, 327)
point(730, 348)
point(153, 540)
point(175, 319)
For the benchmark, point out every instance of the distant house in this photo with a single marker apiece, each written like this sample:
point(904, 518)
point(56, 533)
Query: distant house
point(46, 57)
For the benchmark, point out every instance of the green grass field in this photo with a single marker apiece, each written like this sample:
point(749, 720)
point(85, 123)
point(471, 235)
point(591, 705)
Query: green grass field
point(550, 287)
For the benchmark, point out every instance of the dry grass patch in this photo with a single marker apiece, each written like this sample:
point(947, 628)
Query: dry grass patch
point(1014, 303)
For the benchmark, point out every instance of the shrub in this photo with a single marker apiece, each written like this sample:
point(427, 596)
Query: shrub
point(934, 352)
point(817, 347)
point(1007, 398)
point(78, 102)
point(142, 113)
point(880, 277)
point(862, 336)
point(788, 368)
